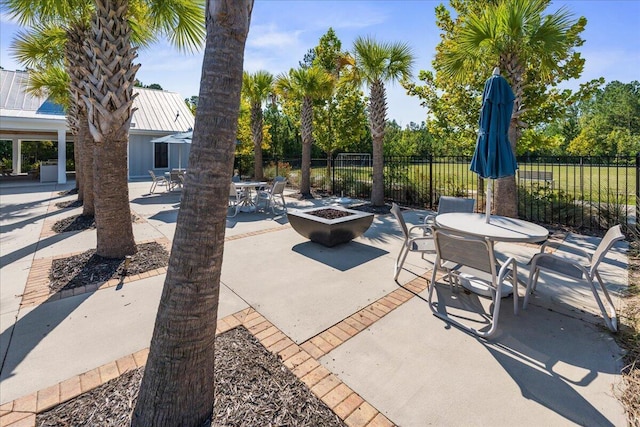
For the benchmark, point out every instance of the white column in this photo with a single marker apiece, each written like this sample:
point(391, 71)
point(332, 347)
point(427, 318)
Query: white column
point(16, 155)
point(62, 156)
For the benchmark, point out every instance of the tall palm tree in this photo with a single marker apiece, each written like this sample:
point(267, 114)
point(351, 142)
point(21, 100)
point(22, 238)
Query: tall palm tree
point(375, 64)
point(256, 88)
point(305, 85)
point(177, 387)
point(46, 48)
point(514, 36)
point(180, 21)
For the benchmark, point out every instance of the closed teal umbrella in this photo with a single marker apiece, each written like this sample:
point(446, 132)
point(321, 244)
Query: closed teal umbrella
point(493, 157)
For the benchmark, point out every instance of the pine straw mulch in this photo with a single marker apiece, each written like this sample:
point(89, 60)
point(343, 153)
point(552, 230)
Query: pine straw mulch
point(81, 223)
point(252, 388)
point(89, 268)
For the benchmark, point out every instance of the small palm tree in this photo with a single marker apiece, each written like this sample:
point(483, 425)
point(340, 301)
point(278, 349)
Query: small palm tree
point(375, 64)
point(256, 88)
point(305, 85)
point(514, 36)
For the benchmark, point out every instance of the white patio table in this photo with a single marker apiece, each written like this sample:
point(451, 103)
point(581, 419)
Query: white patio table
point(247, 204)
point(498, 229)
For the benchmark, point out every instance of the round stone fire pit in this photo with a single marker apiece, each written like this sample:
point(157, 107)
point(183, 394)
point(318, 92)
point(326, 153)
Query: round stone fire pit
point(330, 225)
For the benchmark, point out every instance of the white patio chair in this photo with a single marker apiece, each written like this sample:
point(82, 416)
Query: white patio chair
point(448, 204)
point(234, 199)
point(157, 181)
point(274, 195)
point(174, 178)
point(584, 268)
point(474, 261)
point(419, 244)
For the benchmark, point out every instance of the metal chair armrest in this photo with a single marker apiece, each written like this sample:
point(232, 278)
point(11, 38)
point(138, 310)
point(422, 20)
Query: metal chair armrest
point(557, 244)
point(423, 227)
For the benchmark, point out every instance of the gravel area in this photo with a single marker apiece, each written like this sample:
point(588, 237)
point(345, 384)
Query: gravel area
point(253, 388)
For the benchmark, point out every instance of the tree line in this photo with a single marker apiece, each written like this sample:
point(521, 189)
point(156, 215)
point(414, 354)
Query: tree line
point(84, 53)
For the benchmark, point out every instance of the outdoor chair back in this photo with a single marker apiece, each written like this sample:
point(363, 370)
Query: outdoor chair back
point(274, 195)
point(157, 180)
point(448, 204)
point(234, 200)
point(420, 244)
point(471, 259)
point(583, 268)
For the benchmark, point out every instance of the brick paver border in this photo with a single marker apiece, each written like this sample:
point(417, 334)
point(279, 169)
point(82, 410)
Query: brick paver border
point(301, 360)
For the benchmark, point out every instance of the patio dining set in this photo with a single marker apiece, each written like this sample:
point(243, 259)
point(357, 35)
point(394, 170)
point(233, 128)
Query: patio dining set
point(463, 243)
point(252, 196)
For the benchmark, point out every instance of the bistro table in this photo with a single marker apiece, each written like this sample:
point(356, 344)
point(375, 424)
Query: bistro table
point(246, 202)
point(498, 229)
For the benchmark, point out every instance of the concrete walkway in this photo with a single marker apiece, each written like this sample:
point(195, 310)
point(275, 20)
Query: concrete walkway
point(370, 348)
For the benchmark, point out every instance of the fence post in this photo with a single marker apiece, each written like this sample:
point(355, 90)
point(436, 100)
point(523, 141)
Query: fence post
point(430, 158)
point(333, 175)
point(638, 192)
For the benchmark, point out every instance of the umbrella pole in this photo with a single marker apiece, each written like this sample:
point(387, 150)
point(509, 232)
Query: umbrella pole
point(488, 206)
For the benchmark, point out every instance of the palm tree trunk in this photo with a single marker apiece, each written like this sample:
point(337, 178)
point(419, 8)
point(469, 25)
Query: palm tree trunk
point(84, 145)
point(178, 385)
point(377, 118)
point(109, 99)
point(506, 191)
point(76, 62)
point(307, 140)
point(256, 133)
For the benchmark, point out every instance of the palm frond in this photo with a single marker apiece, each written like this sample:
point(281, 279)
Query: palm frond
point(40, 46)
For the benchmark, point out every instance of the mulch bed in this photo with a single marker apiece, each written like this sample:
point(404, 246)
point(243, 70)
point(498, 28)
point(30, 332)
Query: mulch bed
point(89, 268)
point(69, 204)
point(80, 223)
point(252, 388)
point(368, 207)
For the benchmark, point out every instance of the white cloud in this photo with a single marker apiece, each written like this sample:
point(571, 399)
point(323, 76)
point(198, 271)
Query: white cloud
point(269, 36)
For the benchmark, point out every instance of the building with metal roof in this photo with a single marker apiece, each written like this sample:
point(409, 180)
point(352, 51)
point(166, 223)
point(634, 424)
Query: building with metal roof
point(26, 117)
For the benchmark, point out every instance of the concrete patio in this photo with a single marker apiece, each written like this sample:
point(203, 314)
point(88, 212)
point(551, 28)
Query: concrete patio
point(392, 360)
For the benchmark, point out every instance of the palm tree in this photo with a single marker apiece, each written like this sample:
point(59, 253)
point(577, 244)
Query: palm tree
point(256, 88)
point(177, 387)
point(514, 36)
point(111, 84)
point(47, 48)
point(377, 63)
point(307, 85)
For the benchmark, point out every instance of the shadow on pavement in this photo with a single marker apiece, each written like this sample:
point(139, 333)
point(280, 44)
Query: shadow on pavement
point(342, 257)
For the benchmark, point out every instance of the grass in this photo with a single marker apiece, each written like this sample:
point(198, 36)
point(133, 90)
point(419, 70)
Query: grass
point(591, 183)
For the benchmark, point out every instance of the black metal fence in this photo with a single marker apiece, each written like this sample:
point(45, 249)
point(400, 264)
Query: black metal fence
point(589, 193)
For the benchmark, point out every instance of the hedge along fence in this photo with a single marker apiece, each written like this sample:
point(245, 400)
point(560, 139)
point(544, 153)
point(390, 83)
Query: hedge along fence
point(589, 193)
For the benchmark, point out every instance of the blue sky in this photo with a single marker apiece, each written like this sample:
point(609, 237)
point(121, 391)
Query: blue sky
point(283, 30)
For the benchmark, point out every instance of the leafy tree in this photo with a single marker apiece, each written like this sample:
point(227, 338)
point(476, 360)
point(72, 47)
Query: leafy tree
point(156, 86)
point(339, 120)
point(533, 50)
point(256, 89)
point(375, 64)
point(192, 103)
point(304, 85)
point(284, 139)
point(413, 140)
point(610, 122)
point(178, 384)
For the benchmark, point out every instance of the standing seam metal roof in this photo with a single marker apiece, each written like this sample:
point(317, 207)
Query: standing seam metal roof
point(157, 110)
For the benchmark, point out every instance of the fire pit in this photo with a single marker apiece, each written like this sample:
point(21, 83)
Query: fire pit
point(329, 226)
